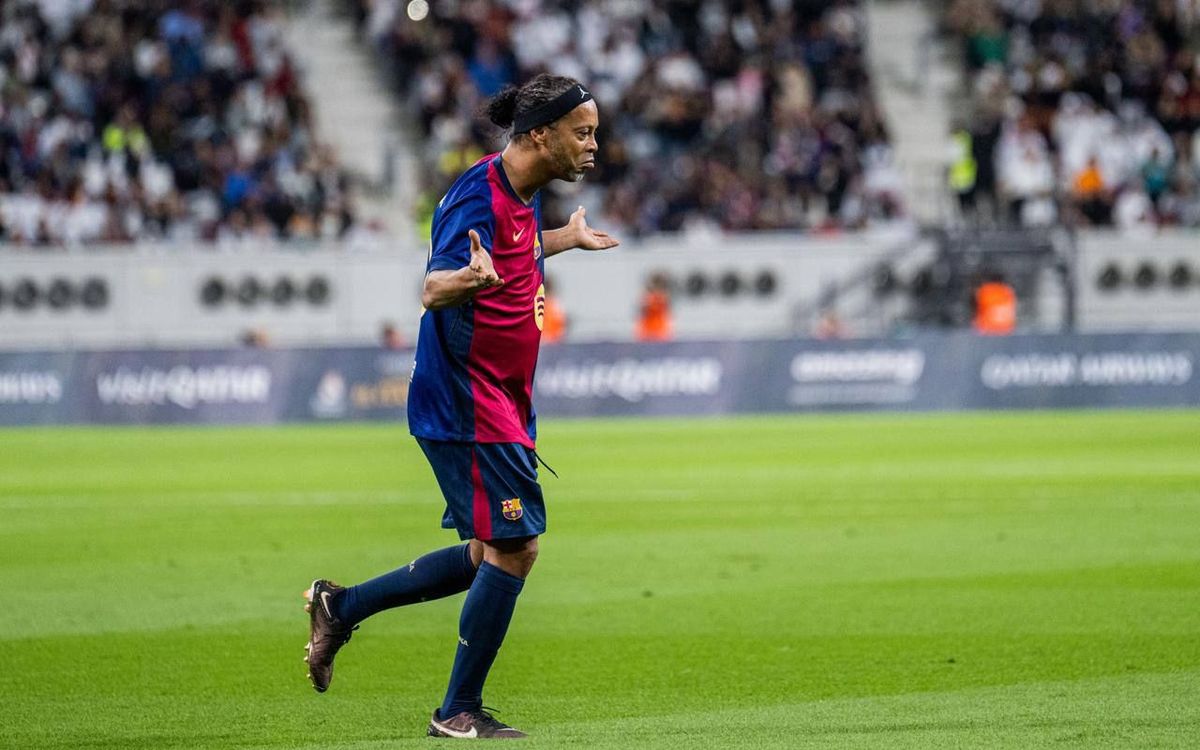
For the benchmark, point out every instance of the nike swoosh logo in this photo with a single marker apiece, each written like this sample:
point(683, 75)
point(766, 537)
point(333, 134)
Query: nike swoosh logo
point(471, 733)
point(325, 603)
point(517, 235)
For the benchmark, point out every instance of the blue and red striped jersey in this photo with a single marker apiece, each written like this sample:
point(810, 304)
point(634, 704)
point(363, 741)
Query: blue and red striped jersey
point(473, 376)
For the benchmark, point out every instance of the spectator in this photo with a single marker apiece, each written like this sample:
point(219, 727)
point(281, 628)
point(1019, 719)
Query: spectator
point(655, 322)
point(829, 326)
point(554, 318)
point(1026, 175)
point(181, 121)
point(254, 338)
point(963, 170)
point(1133, 107)
point(750, 115)
point(390, 337)
point(1156, 174)
point(1092, 195)
point(1133, 212)
point(995, 307)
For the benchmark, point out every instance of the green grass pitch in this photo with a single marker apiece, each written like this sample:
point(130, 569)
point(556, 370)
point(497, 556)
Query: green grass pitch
point(1018, 580)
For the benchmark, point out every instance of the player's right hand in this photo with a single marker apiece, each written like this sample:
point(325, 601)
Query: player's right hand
point(481, 264)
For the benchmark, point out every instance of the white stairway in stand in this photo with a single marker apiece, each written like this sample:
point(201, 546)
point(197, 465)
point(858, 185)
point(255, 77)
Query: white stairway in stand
point(354, 111)
point(915, 88)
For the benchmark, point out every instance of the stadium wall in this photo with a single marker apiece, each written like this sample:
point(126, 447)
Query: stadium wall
point(1154, 282)
point(155, 298)
point(931, 372)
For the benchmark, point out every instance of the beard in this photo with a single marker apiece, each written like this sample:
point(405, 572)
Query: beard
point(564, 165)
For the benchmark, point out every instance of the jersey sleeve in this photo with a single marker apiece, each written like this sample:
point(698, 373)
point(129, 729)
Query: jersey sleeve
point(450, 244)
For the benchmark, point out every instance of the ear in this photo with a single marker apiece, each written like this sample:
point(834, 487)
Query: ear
point(540, 135)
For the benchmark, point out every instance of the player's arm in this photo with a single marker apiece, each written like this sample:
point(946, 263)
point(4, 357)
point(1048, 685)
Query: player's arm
point(451, 288)
point(576, 234)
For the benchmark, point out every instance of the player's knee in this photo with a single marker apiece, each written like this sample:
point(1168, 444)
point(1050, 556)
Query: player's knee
point(476, 552)
point(513, 556)
point(525, 556)
point(529, 552)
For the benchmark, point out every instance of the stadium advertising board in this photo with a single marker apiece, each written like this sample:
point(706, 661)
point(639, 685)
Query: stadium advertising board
point(682, 378)
point(349, 384)
point(929, 372)
point(36, 389)
point(211, 387)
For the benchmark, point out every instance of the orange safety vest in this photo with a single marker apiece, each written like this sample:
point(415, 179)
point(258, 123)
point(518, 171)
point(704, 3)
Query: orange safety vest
point(995, 309)
point(554, 322)
point(1089, 183)
point(655, 322)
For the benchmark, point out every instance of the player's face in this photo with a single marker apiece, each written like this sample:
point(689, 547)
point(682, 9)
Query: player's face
point(572, 142)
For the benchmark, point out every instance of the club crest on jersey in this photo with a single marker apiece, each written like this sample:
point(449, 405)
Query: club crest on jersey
point(511, 509)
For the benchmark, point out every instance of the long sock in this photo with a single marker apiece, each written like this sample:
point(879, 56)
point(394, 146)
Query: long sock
point(441, 573)
point(481, 628)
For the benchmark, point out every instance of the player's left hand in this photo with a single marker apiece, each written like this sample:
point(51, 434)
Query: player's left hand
point(585, 237)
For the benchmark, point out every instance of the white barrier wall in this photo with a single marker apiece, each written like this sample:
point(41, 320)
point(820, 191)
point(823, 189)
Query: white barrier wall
point(1159, 306)
point(154, 296)
point(602, 291)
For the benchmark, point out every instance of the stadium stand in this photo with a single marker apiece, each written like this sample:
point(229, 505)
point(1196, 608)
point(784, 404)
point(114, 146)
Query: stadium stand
point(158, 121)
point(742, 116)
point(130, 122)
point(1082, 113)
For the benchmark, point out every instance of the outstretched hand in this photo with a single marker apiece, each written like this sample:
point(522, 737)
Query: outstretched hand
point(585, 237)
point(481, 266)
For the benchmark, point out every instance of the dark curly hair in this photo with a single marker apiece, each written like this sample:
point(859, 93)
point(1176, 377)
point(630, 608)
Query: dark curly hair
point(503, 108)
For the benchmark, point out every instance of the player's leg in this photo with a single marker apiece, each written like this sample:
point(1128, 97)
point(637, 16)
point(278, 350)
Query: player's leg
point(484, 621)
point(336, 611)
point(440, 573)
point(485, 617)
point(511, 511)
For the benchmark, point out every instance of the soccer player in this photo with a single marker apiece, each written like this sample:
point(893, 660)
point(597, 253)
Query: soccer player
point(470, 403)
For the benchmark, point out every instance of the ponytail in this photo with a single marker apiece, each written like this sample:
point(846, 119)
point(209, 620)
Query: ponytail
point(502, 108)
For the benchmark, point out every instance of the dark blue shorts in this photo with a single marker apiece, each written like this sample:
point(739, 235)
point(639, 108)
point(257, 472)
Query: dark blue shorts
point(491, 489)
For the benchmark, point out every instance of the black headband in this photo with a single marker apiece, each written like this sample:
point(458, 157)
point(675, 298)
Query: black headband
point(551, 110)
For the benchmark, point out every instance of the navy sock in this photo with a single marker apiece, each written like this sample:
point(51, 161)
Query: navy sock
point(481, 628)
point(441, 573)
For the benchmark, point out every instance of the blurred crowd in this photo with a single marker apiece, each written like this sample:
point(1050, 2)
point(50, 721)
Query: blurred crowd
point(715, 115)
point(144, 120)
point(1085, 112)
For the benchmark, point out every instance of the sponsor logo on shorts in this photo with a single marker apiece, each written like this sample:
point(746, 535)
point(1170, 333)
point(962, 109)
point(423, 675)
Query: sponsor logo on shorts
point(511, 509)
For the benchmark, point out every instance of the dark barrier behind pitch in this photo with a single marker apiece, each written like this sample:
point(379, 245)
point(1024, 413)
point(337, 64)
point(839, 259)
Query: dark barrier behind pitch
point(929, 372)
